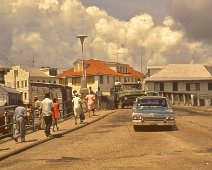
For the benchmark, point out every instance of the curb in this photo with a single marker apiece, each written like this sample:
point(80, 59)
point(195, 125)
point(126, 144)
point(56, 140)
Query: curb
point(194, 110)
point(51, 137)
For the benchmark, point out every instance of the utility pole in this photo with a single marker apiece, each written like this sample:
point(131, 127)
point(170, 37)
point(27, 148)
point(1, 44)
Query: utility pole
point(116, 55)
point(33, 61)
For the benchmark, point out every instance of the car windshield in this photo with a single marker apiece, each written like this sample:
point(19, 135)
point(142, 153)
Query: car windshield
point(151, 102)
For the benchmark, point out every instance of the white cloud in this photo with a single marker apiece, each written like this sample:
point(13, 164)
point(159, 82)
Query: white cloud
point(47, 29)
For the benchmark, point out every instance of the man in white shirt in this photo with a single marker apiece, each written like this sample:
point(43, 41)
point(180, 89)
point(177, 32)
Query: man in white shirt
point(46, 109)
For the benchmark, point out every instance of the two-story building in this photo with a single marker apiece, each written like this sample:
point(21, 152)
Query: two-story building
point(98, 74)
point(182, 83)
point(20, 78)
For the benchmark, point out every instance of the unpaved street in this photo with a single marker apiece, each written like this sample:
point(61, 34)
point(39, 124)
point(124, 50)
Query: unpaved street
point(111, 143)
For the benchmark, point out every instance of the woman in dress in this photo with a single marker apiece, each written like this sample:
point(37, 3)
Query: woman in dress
point(91, 102)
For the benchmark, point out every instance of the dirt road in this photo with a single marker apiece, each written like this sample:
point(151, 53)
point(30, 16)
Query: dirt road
point(111, 143)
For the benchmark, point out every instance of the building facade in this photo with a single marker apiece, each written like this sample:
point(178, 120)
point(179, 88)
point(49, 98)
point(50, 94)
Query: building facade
point(20, 78)
point(183, 84)
point(98, 74)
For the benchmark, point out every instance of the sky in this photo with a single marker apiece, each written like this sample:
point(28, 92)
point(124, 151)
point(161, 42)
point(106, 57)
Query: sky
point(137, 32)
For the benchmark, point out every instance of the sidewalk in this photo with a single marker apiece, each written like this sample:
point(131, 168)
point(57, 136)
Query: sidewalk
point(204, 109)
point(10, 147)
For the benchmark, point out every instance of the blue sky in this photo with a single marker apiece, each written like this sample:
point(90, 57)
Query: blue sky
point(126, 9)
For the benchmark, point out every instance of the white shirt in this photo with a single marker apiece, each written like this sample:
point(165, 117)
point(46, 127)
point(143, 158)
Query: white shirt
point(46, 106)
point(76, 101)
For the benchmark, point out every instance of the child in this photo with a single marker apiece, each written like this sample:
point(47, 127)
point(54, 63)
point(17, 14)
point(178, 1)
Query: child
point(55, 113)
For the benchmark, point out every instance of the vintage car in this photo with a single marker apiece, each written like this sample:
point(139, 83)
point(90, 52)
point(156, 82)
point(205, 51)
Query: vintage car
point(152, 110)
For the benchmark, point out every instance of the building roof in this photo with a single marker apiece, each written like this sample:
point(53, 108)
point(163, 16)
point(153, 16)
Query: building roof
point(8, 89)
point(35, 72)
point(181, 72)
point(97, 67)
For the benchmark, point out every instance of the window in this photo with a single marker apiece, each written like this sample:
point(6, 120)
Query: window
point(50, 81)
point(43, 81)
point(54, 82)
point(25, 95)
point(101, 80)
point(25, 83)
point(22, 84)
point(159, 86)
point(18, 84)
point(209, 86)
point(192, 86)
point(90, 79)
point(15, 73)
point(175, 86)
point(108, 80)
point(38, 80)
point(76, 81)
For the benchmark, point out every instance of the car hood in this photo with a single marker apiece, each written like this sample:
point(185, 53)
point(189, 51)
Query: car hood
point(156, 110)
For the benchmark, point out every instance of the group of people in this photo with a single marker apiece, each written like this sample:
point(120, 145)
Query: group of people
point(48, 111)
point(90, 101)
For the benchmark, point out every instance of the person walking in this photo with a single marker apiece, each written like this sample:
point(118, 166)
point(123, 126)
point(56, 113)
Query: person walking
point(37, 112)
point(77, 107)
point(20, 119)
point(46, 110)
point(28, 114)
point(99, 98)
point(55, 113)
point(90, 103)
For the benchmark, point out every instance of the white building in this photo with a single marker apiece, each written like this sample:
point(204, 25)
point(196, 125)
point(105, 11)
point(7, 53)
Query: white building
point(98, 74)
point(19, 77)
point(183, 83)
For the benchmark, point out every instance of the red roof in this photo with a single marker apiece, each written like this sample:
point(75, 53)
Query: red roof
point(97, 67)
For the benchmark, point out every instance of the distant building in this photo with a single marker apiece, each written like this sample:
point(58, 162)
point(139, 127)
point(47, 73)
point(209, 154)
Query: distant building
point(20, 77)
point(3, 71)
point(183, 83)
point(98, 74)
point(8, 95)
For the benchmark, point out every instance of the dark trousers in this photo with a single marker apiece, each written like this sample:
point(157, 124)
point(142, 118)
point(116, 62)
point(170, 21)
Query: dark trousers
point(48, 122)
point(82, 116)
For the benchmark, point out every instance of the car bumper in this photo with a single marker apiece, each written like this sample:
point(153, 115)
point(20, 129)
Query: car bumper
point(153, 123)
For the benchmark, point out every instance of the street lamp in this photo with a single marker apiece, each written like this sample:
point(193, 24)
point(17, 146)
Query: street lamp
point(83, 82)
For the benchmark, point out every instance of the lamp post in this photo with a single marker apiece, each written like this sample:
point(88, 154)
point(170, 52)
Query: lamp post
point(83, 82)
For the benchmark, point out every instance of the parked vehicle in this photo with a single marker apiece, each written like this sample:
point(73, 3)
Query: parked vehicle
point(151, 93)
point(126, 93)
point(152, 110)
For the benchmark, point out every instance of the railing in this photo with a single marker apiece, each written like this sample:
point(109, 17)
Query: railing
point(7, 119)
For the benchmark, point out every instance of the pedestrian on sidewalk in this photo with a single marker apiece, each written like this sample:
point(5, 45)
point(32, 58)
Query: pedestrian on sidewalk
point(20, 119)
point(77, 107)
point(28, 113)
point(46, 109)
point(55, 113)
point(37, 112)
point(99, 98)
point(90, 98)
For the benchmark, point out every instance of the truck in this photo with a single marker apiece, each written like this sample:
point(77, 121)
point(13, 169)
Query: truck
point(124, 94)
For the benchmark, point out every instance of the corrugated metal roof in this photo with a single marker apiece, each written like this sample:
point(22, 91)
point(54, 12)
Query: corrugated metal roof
point(8, 89)
point(181, 72)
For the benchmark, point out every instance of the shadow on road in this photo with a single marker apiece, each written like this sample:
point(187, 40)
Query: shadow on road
point(155, 128)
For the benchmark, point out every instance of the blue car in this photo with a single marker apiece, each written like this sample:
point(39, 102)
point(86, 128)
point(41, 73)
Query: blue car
point(152, 111)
